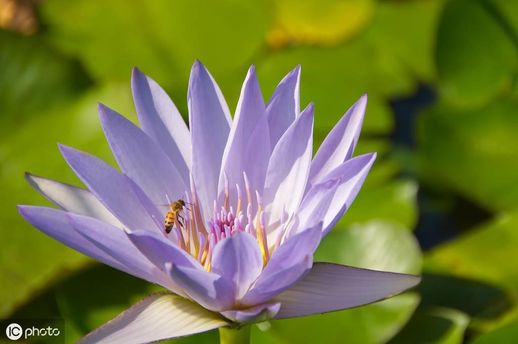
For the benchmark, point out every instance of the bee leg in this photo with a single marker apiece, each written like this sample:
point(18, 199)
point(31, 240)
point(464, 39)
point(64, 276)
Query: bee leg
point(178, 223)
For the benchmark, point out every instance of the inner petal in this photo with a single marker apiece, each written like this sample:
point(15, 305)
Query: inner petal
point(185, 226)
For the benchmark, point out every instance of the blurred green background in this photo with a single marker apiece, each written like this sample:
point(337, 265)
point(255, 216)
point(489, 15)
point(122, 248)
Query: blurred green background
point(442, 199)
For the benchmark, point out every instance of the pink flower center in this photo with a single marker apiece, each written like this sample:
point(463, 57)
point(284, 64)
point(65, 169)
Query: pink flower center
point(198, 237)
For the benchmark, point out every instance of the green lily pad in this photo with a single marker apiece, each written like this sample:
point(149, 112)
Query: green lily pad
point(439, 326)
point(405, 32)
point(395, 201)
point(163, 38)
point(507, 334)
point(33, 77)
point(475, 152)
point(506, 12)
point(317, 22)
point(476, 57)
point(475, 297)
point(485, 254)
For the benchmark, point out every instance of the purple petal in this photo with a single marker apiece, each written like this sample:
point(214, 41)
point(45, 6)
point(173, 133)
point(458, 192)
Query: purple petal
point(331, 287)
point(339, 145)
point(286, 266)
point(328, 200)
point(207, 288)
point(72, 199)
point(55, 223)
point(288, 168)
point(253, 314)
point(238, 259)
point(157, 317)
point(141, 159)
point(248, 146)
point(160, 251)
point(284, 106)
point(111, 188)
point(209, 121)
point(161, 120)
point(115, 243)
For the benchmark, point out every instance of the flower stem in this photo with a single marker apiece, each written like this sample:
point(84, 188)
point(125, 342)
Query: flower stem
point(228, 335)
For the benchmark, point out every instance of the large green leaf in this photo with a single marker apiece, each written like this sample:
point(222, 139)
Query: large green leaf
point(486, 256)
point(479, 299)
point(394, 201)
point(438, 326)
point(317, 22)
point(29, 259)
point(375, 245)
point(506, 12)
point(405, 31)
point(33, 77)
point(476, 57)
point(507, 334)
point(474, 152)
point(162, 37)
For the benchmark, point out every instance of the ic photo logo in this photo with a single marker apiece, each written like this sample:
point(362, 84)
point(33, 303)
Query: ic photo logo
point(25, 329)
point(13, 331)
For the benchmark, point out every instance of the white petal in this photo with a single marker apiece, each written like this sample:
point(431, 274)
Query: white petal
point(157, 317)
point(288, 169)
point(72, 199)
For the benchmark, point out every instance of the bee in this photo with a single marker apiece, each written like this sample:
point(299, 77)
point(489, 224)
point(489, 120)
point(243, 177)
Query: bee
point(174, 216)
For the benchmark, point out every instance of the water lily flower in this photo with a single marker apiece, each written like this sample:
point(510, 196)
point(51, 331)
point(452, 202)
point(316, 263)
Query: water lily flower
point(245, 206)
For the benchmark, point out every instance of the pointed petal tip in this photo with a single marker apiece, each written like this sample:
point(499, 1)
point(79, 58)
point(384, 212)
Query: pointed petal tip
point(372, 157)
point(103, 110)
point(32, 180)
point(293, 76)
point(295, 73)
point(309, 110)
point(136, 71)
point(198, 71)
point(414, 280)
point(362, 101)
point(198, 67)
point(70, 153)
point(22, 210)
point(26, 213)
point(136, 77)
point(28, 176)
point(106, 115)
point(310, 107)
point(66, 150)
